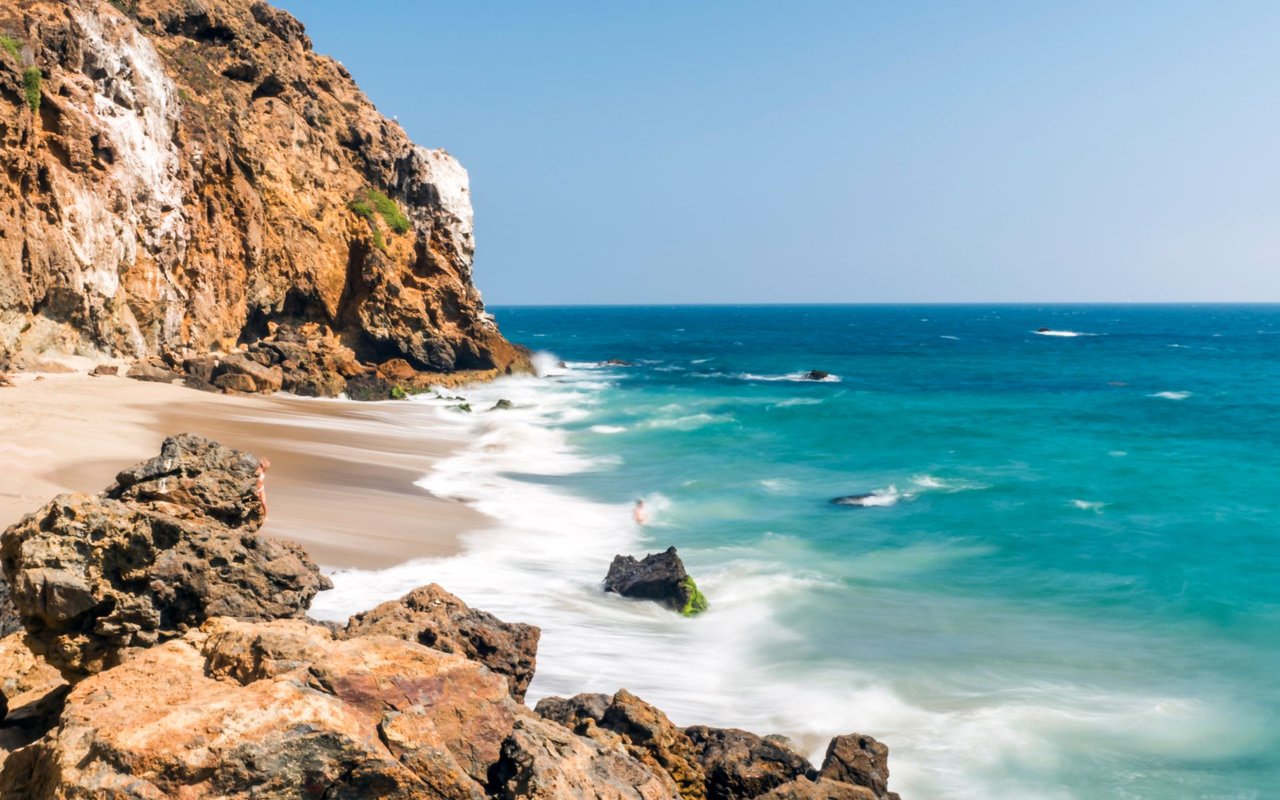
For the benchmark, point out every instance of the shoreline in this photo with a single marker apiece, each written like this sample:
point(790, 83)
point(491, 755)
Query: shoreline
point(342, 477)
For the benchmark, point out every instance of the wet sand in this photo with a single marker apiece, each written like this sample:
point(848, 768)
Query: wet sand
point(341, 477)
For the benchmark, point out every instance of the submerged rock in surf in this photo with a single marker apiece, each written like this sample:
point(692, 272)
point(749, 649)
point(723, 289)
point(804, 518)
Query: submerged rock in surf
point(660, 577)
point(857, 500)
point(816, 375)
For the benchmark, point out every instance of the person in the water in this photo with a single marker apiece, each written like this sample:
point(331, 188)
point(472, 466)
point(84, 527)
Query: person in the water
point(640, 514)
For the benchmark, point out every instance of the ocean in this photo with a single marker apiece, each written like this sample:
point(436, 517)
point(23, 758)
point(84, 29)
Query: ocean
point(1066, 583)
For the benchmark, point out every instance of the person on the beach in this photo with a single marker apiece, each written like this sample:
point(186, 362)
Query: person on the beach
point(263, 465)
point(640, 514)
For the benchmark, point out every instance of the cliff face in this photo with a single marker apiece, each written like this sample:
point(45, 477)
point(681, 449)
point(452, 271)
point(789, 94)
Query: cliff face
point(178, 174)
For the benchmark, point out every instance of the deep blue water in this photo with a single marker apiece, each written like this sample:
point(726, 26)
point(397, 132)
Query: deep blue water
point(1072, 588)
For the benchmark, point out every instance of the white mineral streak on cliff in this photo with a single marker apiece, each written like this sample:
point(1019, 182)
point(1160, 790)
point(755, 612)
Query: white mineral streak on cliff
point(136, 105)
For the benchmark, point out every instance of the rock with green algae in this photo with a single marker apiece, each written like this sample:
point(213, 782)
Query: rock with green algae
point(660, 577)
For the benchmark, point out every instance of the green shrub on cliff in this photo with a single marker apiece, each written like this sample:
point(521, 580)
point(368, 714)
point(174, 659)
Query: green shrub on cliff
point(371, 204)
point(11, 46)
point(31, 78)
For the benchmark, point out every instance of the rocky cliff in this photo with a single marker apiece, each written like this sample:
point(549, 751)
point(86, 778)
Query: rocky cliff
point(182, 177)
point(164, 652)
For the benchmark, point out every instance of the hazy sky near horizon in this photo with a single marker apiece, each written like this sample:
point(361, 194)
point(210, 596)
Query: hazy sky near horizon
point(674, 152)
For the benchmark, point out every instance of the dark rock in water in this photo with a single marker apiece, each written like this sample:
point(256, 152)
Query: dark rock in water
point(431, 616)
point(502, 405)
point(740, 764)
point(858, 760)
point(816, 375)
point(369, 386)
point(1042, 330)
point(858, 500)
point(660, 577)
point(561, 365)
point(646, 733)
point(172, 543)
point(616, 362)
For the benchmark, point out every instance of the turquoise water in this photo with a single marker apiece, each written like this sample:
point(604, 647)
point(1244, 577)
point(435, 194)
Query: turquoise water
point(1069, 586)
point(1085, 542)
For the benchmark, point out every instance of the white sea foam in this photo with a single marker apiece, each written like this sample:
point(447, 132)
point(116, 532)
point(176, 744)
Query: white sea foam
point(927, 482)
point(1171, 395)
point(880, 498)
point(608, 429)
point(790, 376)
point(953, 338)
point(1089, 505)
point(542, 559)
point(1062, 333)
point(798, 401)
point(689, 422)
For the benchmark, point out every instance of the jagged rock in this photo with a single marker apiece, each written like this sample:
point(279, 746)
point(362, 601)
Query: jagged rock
point(105, 370)
point(502, 405)
point(660, 577)
point(397, 369)
point(241, 373)
point(370, 386)
point(543, 761)
point(820, 789)
point(859, 760)
point(170, 544)
point(433, 617)
point(219, 191)
point(10, 622)
point(740, 764)
point(615, 362)
point(31, 692)
point(643, 729)
point(238, 709)
point(816, 375)
point(149, 372)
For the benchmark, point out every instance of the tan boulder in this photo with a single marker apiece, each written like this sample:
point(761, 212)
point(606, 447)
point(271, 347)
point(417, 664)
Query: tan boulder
point(432, 616)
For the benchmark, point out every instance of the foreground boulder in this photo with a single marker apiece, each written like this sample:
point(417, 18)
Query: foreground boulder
point(172, 543)
point(660, 577)
point(273, 710)
point(741, 764)
point(642, 729)
point(433, 617)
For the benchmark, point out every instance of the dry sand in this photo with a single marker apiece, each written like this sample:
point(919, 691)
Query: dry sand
point(341, 477)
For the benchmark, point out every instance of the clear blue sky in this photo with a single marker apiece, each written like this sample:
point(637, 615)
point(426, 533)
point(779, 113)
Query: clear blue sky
point(683, 152)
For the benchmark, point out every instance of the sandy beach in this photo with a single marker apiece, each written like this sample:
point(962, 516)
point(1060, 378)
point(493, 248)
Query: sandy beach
point(341, 477)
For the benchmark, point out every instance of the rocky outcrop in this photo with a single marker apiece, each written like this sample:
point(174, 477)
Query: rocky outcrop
point(172, 543)
point(431, 616)
point(543, 761)
point(193, 673)
point(642, 729)
point(660, 577)
point(181, 175)
point(740, 764)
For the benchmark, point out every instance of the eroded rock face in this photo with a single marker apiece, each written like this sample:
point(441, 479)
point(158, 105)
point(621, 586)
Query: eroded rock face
point(858, 760)
point(641, 728)
point(195, 173)
point(740, 764)
point(378, 717)
point(433, 617)
point(170, 544)
point(542, 760)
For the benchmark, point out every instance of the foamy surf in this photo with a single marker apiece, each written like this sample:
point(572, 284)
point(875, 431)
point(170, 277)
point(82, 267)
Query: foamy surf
point(1067, 334)
point(1171, 395)
point(799, 377)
